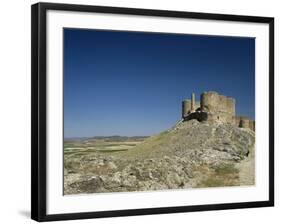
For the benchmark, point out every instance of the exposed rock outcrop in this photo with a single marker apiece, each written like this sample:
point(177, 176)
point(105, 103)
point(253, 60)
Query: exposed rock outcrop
point(191, 154)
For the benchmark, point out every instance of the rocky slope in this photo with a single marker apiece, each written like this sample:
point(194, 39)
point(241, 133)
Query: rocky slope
point(190, 155)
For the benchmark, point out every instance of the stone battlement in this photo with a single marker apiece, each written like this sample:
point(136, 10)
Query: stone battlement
point(214, 108)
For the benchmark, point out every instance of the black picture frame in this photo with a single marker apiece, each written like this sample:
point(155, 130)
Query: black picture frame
point(38, 109)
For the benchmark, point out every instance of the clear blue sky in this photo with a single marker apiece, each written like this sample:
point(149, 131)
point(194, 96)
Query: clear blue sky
point(132, 83)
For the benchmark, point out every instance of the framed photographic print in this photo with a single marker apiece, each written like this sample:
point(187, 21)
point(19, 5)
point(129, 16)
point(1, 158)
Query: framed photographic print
point(139, 111)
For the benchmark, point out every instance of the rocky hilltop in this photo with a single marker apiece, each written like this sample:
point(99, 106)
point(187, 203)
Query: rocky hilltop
point(192, 154)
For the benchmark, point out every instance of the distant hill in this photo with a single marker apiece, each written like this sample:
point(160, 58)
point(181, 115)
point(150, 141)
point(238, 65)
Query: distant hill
point(115, 138)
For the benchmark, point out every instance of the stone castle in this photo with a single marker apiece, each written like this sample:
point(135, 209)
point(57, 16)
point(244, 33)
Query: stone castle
point(214, 108)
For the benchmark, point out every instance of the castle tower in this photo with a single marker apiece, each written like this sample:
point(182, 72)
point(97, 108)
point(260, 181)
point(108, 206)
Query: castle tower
point(192, 102)
point(186, 105)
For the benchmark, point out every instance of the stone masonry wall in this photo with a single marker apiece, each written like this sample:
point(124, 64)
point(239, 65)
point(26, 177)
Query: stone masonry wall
point(186, 107)
point(245, 122)
point(215, 108)
point(219, 108)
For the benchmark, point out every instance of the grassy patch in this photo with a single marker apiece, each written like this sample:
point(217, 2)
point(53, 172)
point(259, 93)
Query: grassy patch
point(71, 166)
point(161, 135)
point(225, 169)
point(212, 182)
point(112, 150)
point(221, 176)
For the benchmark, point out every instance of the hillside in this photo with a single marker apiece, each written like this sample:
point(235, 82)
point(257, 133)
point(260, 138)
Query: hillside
point(191, 154)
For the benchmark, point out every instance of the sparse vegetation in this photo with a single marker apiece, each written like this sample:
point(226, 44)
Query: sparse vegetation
point(226, 169)
point(220, 176)
point(190, 155)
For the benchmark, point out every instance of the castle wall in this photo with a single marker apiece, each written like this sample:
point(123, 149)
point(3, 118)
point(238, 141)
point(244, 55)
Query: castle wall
point(252, 125)
point(237, 121)
point(197, 105)
point(219, 108)
point(214, 108)
point(245, 122)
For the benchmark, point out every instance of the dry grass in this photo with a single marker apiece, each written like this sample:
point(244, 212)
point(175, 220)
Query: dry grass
point(221, 176)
